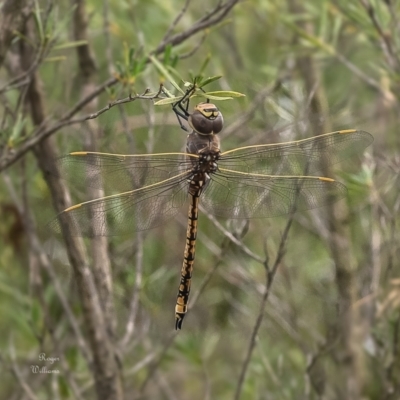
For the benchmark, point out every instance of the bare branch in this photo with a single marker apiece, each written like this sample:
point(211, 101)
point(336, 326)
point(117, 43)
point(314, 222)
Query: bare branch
point(213, 17)
point(232, 238)
point(270, 275)
point(43, 132)
point(176, 20)
point(11, 18)
point(385, 39)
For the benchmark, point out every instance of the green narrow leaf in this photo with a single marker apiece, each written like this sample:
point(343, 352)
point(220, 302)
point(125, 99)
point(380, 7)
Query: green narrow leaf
point(192, 77)
point(225, 93)
point(53, 59)
point(126, 54)
point(175, 73)
point(36, 316)
point(165, 73)
point(131, 54)
point(218, 98)
point(205, 64)
point(63, 386)
point(167, 54)
point(62, 24)
point(72, 355)
point(210, 80)
point(167, 92)
point(119, 68)
point(284, 114)
point(169, 100)
point(337, 29)
point(68, 45)
point(174, 61)
point(140, 66)
point(38, 21)
point(17, 130)
point(197, 80)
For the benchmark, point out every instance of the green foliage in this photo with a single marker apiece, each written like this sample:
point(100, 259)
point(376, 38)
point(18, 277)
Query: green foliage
point(289, 66)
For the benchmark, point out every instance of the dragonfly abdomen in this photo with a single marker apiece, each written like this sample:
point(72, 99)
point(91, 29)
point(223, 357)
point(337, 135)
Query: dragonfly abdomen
point(188, 261)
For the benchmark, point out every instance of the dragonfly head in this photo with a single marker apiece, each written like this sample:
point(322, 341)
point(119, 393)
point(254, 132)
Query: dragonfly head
point(206, 119)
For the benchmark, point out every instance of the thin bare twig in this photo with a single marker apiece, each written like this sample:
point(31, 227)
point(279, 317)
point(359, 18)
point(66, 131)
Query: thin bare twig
point(270, 274)
point(129, 99)
point(134, 305)
point(385, 39)
point(232, 237)
point(11, 19)
point(24, 77)
point(195, 48)
point(156, 363)
point(252, 108)
point(107, 39)
point(176, 20)
point(42, 132)
point(45, 263)
point(19, 376)
point(223, 248)
point(213, 17)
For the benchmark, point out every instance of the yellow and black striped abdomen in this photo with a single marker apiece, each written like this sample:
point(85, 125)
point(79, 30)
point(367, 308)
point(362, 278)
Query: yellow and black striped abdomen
point(188, 261)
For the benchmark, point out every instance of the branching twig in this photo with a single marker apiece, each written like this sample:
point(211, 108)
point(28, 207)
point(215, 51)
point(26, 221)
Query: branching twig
point(252, 108)
point(232, 238)
point(129, 99)
point(45, 263)
point(154, 365)
point(134, 304)
point(270, 274)
point(213, 17)
point(43, 132)
point(195, 48)
point(176, 21)
point(385, 40)
point(19, 376)
point(223, 248)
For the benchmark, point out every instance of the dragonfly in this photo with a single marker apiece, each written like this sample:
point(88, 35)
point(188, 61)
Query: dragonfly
point(256, 181)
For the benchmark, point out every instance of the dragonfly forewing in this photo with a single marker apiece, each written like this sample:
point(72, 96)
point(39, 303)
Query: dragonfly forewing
point(299, 157)
point(115, 173)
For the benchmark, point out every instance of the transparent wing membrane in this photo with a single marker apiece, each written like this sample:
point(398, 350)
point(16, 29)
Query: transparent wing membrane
point(125, 213)
point(121, 173)
point(144, 191)
point(299, 157)
point(241, 195)
point(141, 192)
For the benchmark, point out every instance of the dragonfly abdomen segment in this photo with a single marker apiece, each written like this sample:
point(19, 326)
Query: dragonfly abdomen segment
point(188, 261)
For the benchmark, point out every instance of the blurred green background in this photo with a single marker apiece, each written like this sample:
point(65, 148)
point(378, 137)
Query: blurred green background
point(330, 328)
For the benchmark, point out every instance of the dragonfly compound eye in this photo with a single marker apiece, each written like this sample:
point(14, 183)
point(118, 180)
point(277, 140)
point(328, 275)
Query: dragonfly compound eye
point(206, 119)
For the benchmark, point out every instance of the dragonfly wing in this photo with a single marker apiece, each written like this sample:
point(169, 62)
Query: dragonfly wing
point(124, 213)
point(240, 195)
point(299, 157)
point(120, 173)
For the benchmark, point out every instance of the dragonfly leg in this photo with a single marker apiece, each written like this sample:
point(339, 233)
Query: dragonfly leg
point(180, 115)
point(182, 111)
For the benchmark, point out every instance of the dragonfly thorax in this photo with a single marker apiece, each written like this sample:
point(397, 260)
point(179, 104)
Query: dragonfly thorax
point(205, 165)
point(208, 162)
point(206, 147)
point(206, 119)
point(198, 143)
